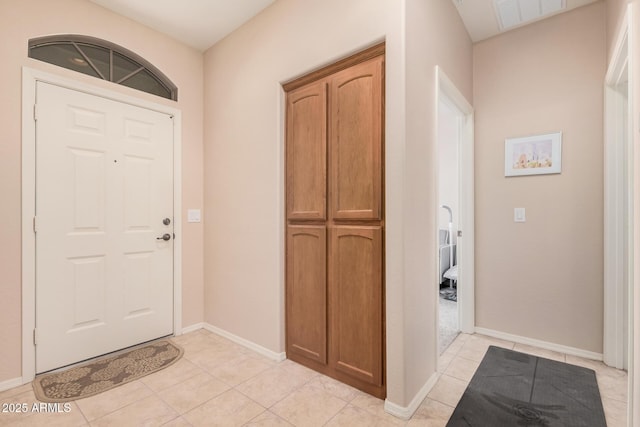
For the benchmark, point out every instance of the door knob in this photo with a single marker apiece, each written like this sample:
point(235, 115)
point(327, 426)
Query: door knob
point(165, 237)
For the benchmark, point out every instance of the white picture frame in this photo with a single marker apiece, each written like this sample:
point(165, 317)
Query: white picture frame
point(533, 155)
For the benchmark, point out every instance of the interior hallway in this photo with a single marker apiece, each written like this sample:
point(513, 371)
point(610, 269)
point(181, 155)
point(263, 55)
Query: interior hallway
point(219, 382)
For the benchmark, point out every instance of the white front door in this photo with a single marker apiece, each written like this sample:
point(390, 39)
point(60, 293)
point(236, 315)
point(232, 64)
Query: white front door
point(104, 200)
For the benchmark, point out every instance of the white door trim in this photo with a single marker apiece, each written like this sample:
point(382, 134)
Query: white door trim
point(618, 157)
point(615, 230)
point(447, 92)
point(29, 78)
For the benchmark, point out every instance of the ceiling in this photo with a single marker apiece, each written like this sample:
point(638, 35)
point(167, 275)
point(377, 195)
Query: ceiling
point(202, 23)
point(197, 23)
point(481, 16)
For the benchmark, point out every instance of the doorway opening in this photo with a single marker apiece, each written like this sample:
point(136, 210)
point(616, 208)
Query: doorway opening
point(455, 213)
point(449, 203)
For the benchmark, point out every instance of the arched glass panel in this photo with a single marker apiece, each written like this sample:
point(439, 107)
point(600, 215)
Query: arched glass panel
point(104, 60)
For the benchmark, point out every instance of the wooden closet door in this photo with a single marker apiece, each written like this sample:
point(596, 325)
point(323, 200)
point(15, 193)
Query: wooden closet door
point(356, 142)
point(356, 302)
point(307, 292)
point(335, 222)
point(307, 152)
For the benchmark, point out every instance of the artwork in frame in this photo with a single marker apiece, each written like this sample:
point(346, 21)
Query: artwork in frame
point(533, 155)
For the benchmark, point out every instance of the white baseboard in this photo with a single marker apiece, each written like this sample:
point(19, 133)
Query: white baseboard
point(277, 357)
point(191, 328)
point(406, 412)
point(8, 384)
point(539, 343)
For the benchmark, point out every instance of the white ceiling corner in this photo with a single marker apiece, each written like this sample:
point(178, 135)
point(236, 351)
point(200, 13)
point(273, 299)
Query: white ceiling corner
point(481, 17)
point(197, 23)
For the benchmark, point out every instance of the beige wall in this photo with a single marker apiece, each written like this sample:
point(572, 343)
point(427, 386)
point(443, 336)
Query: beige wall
point(542, 279)
point(244, 280)
point(20, 21)
point(435, 36)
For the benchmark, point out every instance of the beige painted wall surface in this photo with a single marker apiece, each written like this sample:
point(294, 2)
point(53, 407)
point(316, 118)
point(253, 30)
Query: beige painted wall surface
point(435, 36)
point(20, 21)
point(244, 184)
point(542, 279)
point(244, 156)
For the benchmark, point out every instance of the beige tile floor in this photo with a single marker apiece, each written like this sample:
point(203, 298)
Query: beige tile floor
point(219, 383)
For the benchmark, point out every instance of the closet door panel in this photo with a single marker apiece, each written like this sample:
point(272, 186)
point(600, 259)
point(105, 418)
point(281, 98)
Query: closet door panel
point(356, 142)
point(356, 302)
point(307, 152)
point(306, 292)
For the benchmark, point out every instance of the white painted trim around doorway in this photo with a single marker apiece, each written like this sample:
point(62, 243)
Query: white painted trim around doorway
point(447, 92)
point(618, 220)
point(615, 230)
point(30, 77)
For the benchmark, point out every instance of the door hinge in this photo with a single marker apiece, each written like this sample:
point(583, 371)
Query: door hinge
point(35, 225)
point(35, 112)
point(35, 340)
point(459, 233)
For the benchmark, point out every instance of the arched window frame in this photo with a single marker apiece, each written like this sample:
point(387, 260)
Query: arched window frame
point(78, 40)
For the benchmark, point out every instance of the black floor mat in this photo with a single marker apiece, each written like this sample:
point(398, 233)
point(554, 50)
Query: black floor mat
point(516, 389)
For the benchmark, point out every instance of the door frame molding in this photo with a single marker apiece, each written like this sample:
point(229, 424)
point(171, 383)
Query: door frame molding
point(30, 77)
point(448, 93)
point(615, 228)
point(614, 183)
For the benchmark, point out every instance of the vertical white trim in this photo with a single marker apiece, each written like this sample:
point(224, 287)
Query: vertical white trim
point(281, 99)
point(619, 223)
point(29, 78)
point(615, 182)
point(613, 236)
point(28, 235)
point(447, 92)
point(633, 406)
point(177, 220)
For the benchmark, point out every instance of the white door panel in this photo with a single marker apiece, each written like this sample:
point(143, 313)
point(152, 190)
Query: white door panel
point(104, 184)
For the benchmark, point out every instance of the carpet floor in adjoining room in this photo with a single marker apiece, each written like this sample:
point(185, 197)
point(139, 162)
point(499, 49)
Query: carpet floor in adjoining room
point(448, 323)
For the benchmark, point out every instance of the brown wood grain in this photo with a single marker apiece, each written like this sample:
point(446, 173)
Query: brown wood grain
point(321, 73)
point(306, 152)
point(307, 292)
point(335, 310)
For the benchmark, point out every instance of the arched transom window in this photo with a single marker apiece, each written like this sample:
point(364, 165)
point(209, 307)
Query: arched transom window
point(104, 60)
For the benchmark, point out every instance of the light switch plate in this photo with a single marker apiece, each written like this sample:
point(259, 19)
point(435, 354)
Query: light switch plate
point(193, 215)
point(519, 215)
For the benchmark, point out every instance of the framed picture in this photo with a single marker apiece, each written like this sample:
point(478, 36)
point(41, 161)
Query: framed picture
point(533, 155)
